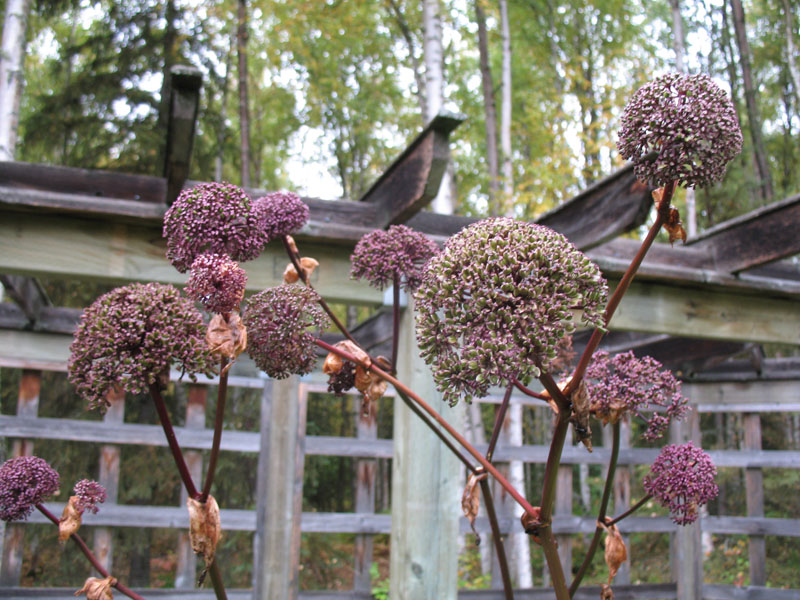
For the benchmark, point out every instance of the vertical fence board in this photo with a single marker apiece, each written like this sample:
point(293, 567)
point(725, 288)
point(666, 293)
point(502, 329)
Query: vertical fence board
point(27, 406)
point(563, 506)
point(622, 499)
point(754, 491)
point(367, 429)
point(108, 477)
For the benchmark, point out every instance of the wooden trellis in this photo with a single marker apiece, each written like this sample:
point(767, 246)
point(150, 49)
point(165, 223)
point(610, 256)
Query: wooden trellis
point(690, 306)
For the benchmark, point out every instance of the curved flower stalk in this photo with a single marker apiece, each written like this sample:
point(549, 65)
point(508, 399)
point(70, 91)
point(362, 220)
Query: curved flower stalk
point(495, 303)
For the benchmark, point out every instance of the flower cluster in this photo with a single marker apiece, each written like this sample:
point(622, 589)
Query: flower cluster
point(495, 303)
point(682, 479)
point(626, 384)
point(130, 336)
point(217, 282)
point(277, 322)
point(213, 217)
point(24, 482)
point(689, 122)
point(282, 213)
point(401, 251)
point(90, 494)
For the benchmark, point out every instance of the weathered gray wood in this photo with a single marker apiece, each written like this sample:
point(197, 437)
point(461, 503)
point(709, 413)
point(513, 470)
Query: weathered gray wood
point(563, 506)
point(28, 293)
point(49, 319)
point(743, 370)
point(622, 499)
point(425, 489)
point(413, 179)
point(754, 494)
point(713, 591)
point(184, 98)
point(366, 429)
point(750, 396)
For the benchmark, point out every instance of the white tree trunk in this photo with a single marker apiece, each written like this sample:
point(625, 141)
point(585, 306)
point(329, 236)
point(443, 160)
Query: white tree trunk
point(434, 92)
point(505, 113)
point(788, 17)
point(520, 555)
point(12, 55)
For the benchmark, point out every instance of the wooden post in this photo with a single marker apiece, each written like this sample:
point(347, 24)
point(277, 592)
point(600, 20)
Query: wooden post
point(195, 419)
point(27, 406)
point(563, 507)
point(687, 551)
point(426, 488)
point(367, 429)
point(754, 490)
point(622, 499)
point(280, 490)
point(108, 477)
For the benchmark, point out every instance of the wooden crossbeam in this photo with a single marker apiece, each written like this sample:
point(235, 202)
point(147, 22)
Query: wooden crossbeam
point(184, 99)
point(28, 294)
point(413, 179)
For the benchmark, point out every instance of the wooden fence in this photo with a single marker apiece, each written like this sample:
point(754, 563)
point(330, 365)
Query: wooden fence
point(736, 397)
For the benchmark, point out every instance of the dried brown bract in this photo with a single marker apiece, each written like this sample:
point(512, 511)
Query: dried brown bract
point(606, 593)
point(97, 589)
point(70, 520)
point(616, 552)
point(371, 385)
point(471, 500)
point(307, 265)
point(227, 337)
point(292, 245)
point(531, 522)
point(674, 226)
point(580, 415)
point(204, 530)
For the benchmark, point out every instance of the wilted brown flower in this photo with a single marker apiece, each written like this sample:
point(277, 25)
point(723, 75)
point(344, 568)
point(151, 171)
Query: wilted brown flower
point(98, 589)
point(226, 338)
point(616, 552)
point(204, 529)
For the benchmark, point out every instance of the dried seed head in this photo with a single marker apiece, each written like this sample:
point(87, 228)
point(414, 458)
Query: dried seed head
point(98, 589)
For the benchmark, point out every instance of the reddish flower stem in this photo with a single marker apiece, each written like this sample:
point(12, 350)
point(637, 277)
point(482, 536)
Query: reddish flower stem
point(216, 581)
point(90, 556)
point(508, 588)
point(528, 391)
point(395, 320)
point(499, 417)
point(222, 394)
point(630, 511)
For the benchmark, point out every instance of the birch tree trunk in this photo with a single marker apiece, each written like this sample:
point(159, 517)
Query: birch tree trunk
point(489, 111)
point(219, 160)
point(12, 54)
point(405, 30)
point(753, 115)
point(788, 17)
point(244, 110)
point(505, 118)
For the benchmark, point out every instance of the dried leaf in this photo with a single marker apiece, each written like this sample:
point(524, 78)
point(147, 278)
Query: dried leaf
point(606, 593)
point(674, 226)
point(227, 338)
point(333, 364)
point(616, 552)
point(580, 415)
point(531, 522)
point(97, 589)
point(290, 274)
point(204, 530)
point(471, 500)
point(307, 265)
point(70, 520)
point(292, 245)
point(658, 195)
point(354, 350)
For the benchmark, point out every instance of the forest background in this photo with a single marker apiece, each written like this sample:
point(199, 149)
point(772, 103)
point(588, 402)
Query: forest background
point(319, 96)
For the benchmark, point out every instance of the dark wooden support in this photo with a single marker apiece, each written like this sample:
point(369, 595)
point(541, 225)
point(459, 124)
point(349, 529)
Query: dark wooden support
point(366, 468)
point(754, 492)
point(28, 293)
point(759, 237)
point(611, 206)
point(185, 83)
point(108, 477)
point(374, 334)
point(51, 319)
point(413, 179)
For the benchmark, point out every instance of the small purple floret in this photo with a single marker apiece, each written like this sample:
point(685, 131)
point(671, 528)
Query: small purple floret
point(25, 482)
point(682, 479)
point(400, 250)
point(217, 282)
point(634, 385)
point(90, 494)
point(213, 217)
point(133, 334)
point(689, 122)
point(278, 322)
point(282, 213)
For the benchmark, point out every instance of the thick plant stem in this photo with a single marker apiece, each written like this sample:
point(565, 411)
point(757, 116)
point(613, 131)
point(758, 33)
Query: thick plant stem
point(630, 511)
point(508, 588)
point(550, 549)
point(90, 556)
point(172, 441)
point(528, 392)
point(216, 581)
point(499, 417)
point(222, 394)
point(601, 515)
point(401, 388)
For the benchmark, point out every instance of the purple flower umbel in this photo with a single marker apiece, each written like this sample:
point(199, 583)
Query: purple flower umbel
point(400, 250)
point(626, 384)
point(495, 303)
point(213, 217)
point(682, 479)
point(689, 122)
point(24, 482)
point(130, 336)
point(282, 213)
point(277, 322)
point(217, 282)
point(90, 494)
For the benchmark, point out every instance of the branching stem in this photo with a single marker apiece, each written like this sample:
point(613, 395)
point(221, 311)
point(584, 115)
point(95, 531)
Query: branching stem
point(172, 441)
point(222, 394)
point(630, 511)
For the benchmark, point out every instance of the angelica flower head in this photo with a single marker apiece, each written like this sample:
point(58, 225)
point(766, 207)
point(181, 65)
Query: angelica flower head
point(130, 336)
point(626, 384)
point(279, 323)
point(213, 217)
point(90, 494)
point(691, 125)
point(399, 250)
point(282, 213)
point(495, 303)
point(682, 479)
point(217, 282)
point(25, 482)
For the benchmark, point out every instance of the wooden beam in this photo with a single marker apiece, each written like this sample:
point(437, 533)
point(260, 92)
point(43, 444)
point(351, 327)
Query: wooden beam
point(413, 179)
point(28, 293)
point(184, 98)
point(771, 369)
point(744, 396)
point(50, 319)
point(759, 237)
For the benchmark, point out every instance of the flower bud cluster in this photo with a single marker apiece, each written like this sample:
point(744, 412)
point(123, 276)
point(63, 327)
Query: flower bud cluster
point(217, 282)
point(682, 479)
point(495, 303)
point(130, 336)
point(626, 384)
point(282, 213)
point(689, 122)
point(24, 482)
point(277, 322)
point(90, 494)
point(380, 255)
